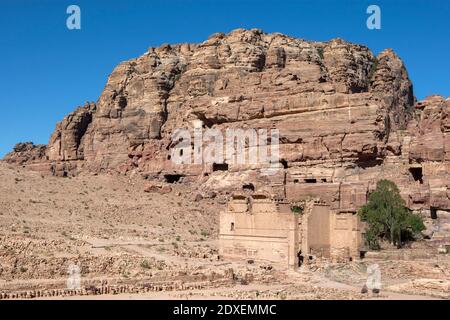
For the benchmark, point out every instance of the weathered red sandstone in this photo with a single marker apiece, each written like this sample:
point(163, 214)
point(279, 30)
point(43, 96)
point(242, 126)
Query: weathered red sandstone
point(346, 119)
point(26, 152)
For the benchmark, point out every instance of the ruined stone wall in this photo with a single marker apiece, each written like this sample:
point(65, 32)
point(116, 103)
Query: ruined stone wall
point(262, 231)
point(327, 233)
point(259, 233)
point(346, 235)
point(318, 231)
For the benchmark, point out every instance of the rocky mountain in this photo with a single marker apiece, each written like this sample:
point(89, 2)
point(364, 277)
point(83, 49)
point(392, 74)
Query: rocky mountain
point(346, 118)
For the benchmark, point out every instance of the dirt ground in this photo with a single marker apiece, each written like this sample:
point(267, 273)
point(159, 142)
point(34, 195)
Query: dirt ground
point(131, 244)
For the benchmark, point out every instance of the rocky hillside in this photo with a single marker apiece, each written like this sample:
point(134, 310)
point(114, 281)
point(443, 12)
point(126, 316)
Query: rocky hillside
point(346, 118)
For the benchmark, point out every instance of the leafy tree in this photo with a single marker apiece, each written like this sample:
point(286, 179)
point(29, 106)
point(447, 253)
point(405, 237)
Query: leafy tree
point(388, 217)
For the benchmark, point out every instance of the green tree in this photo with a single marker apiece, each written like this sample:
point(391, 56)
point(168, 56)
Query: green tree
point(388, 217)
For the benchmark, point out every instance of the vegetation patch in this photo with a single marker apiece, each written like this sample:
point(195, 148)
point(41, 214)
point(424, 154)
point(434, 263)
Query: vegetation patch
point(388, 218)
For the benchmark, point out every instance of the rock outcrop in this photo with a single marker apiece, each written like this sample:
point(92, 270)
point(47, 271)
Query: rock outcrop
point(346, 119)
point(67, 141)
point(26, 152)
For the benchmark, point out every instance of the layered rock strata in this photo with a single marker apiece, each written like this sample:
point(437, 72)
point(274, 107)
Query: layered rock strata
point(346, 119)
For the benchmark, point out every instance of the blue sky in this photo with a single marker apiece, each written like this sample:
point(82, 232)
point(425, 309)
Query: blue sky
point(48, 70)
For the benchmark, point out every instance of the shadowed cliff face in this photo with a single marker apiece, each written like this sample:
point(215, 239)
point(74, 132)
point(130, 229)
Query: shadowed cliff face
point(339, 109)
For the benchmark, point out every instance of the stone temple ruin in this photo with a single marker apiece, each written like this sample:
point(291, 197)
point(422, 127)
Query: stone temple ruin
point(261, 228)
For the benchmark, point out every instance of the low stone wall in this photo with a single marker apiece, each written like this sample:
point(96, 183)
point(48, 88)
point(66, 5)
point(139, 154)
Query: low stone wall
point(91, 290)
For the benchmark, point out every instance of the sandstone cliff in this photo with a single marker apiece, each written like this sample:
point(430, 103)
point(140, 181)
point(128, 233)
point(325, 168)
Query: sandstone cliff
point(346, 118)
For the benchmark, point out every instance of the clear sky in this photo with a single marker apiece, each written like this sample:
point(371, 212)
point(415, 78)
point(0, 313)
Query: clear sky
point(48, 70)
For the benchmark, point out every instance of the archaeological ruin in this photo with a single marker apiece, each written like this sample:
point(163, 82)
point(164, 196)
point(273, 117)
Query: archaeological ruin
point(260, 228)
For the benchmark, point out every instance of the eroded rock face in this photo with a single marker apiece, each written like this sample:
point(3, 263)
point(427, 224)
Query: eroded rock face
point(25, 152)
point(390, 82)
point(346, 118)
point(67, 141)
point(431, 131)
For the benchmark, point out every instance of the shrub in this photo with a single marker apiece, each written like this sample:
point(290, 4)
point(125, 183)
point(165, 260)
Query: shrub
point(373, 68)
point(204, 233)
point(297, 209)
point(320, 52)
point(145, 264)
